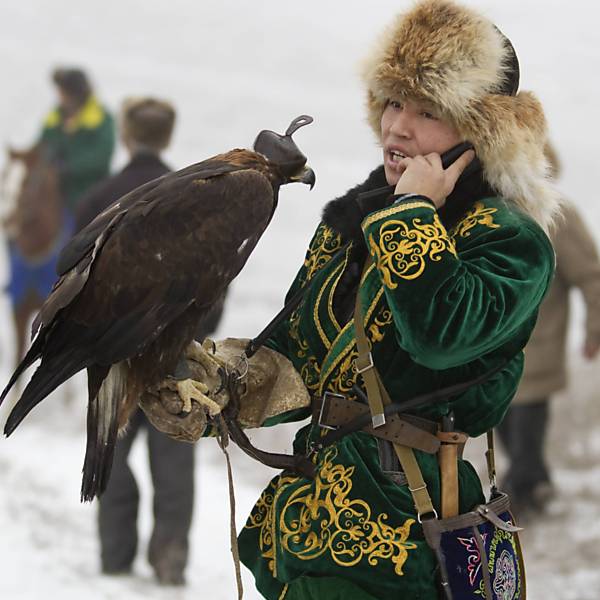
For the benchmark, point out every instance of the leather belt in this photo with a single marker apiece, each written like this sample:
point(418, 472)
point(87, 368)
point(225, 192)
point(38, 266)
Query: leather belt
point(334, 410)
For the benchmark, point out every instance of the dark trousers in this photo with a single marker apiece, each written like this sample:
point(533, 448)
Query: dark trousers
point(523, 434)
point(172, 469)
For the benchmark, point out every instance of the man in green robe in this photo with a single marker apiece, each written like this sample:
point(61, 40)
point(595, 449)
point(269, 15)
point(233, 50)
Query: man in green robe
point(456, 267)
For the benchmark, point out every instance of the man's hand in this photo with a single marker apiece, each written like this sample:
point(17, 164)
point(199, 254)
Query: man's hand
point(425, 175)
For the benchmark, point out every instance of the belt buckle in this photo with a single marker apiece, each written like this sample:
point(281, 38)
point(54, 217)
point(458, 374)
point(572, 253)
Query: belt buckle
point(323, 411)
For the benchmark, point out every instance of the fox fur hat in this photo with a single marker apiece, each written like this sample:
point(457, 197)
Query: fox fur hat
point(454, 58)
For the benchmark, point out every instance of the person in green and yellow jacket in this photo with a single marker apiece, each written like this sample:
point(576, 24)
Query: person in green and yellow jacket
point(450, 267)
point(77, 141)
point(78, 135)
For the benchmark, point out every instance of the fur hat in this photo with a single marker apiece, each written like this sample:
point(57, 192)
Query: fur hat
point(453, 57)
point(147, 122)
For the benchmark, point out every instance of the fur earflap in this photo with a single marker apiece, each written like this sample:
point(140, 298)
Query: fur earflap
point(454, 58)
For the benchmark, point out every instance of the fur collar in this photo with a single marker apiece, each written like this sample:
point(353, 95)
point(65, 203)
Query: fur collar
point(344, 215)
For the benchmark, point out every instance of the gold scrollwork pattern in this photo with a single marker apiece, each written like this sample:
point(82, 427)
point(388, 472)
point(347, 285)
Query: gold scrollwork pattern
point(403, 250)
point(311, 373)
point(478, 215)
point(320, 518)
point(294, 333)
point(345, 378)
point(326, 243)
point(324, 520)
point(376, 330)
point(310, 370)
point(342, 368)
point(263, 518)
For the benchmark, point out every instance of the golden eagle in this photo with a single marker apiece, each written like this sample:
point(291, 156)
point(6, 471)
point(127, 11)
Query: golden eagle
point(135, 282)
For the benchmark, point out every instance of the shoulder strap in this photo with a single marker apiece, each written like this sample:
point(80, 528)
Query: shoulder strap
point(376, 392)
point(377, 396)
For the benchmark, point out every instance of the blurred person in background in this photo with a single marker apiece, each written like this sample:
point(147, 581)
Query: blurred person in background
point(146, 126)
point(523, 430)
point(73, 152)
point(78, 137)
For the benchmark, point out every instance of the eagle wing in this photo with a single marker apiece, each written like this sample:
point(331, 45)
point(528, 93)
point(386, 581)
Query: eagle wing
point(183, 245)
point(179, 190)
point(161, 258)
point(84, 240)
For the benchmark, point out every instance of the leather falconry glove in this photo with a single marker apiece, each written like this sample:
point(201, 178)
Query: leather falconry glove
point(269, 386)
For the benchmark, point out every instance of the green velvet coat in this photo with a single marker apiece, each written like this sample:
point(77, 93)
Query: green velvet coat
point(83, 152)
point(442, 307)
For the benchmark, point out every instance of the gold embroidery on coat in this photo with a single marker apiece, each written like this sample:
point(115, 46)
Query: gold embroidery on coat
point(383, 319)
point(478, 215)
point(337, 271)
point(310, 373)
point(310, 369)
point(403, 250)
point(326, 243)
point(346, 377)
point(344, 361)
point(294, 332)
point(337, 359)
point(263, 518)
point(396, 208)
point(320, 518)
point(334, 285)
point(352, 343)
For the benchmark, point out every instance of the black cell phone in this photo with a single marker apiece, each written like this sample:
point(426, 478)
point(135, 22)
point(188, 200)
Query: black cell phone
point(447, 157)
point(455, 153)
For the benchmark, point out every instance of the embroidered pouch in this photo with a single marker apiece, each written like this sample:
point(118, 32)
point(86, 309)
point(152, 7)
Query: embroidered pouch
point(479, 553)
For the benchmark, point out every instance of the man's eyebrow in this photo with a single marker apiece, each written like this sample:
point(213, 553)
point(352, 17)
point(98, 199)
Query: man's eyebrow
point(428, 106)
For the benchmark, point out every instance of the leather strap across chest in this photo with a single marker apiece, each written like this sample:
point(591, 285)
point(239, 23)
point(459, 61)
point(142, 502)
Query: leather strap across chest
point(335, 412)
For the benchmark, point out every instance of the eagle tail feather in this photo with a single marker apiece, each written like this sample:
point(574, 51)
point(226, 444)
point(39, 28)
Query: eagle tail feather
point(102, 427)
point(48, 376)
point(34, 352)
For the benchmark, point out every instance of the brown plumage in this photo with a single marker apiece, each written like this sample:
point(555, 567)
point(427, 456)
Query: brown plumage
point(135, 282)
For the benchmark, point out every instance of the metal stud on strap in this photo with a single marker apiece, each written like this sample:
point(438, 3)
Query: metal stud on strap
point(378, 420)
point(368, 366)
point(430, 515)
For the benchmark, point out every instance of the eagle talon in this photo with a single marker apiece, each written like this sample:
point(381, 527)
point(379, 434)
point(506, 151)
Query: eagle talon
point(200, 354)
point(189, 389)
point(224, 380)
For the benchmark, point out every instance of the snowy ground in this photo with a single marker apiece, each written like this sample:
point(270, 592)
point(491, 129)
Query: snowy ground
point(232, 68)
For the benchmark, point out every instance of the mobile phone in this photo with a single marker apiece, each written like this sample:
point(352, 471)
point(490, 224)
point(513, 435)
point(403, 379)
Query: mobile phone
point(455, 153)
point(447, 157)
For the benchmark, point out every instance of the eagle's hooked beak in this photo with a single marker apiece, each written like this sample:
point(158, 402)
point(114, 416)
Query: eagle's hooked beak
point(307, 175)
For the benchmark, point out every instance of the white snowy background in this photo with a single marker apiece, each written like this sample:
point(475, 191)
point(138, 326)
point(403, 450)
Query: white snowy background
point(233, 68)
